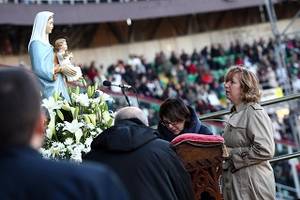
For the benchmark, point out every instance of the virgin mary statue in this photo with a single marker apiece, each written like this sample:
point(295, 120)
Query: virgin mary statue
point(42, 57)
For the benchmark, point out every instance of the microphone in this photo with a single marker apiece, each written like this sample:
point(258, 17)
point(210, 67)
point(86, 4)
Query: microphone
point(123, 86)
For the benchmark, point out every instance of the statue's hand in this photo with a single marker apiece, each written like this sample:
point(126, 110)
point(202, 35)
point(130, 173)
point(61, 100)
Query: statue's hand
point(68, 71)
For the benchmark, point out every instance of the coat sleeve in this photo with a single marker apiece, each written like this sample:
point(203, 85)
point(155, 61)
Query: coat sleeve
point(42, 60)
point(260, 132)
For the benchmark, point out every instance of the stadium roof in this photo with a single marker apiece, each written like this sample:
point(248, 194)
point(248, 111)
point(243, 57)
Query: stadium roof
point(23, 14)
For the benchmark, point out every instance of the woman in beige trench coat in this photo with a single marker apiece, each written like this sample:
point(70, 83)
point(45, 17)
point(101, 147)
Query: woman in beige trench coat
point(247, 173)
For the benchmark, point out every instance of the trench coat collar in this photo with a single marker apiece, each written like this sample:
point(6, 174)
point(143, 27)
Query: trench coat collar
point(240, 107)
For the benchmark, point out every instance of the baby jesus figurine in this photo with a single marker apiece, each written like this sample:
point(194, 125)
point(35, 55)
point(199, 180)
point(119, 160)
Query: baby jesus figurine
point(64, 58)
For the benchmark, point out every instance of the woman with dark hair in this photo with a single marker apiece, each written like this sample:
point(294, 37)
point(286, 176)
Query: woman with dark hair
point(177, 118)
point(247, 173)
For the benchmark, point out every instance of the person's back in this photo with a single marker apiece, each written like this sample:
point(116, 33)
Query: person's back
point(24, 173)
point(146, 165)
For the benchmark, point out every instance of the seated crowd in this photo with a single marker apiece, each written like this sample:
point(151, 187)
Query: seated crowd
point(198, 78)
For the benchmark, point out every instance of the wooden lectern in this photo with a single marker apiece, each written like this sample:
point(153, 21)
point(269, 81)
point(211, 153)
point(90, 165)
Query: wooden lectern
point(202, 156)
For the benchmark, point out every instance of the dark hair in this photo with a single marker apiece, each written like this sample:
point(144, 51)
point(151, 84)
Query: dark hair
point(19, 106)
point(174, 109)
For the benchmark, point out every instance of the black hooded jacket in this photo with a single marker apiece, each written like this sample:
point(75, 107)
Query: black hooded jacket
point(147, 166)
point(195, 126)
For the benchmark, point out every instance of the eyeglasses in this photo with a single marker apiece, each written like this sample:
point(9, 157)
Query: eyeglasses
point(173, 124)
point(167, 123)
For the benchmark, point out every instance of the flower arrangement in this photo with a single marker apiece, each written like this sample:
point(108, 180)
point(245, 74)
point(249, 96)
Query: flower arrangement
point(73, 125)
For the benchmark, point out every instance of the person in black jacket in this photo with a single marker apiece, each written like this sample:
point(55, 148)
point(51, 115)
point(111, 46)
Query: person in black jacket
point(146, 165)
point(24, 173)
point(177, 118)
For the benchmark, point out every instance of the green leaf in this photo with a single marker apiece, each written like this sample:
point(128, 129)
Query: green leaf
point(86, 118)
point(66, 107)
point(96, 86)
point(93, 119)
point(77, 90)
point(56, 96)
point(83, 82)
point(76, 112)
point(92, 91)
point(110, 122)
point(70, 91)
point(73, 112)
point(89, 91)
point(60, 115)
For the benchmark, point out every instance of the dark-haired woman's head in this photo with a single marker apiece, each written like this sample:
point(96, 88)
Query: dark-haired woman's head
point(174, 114)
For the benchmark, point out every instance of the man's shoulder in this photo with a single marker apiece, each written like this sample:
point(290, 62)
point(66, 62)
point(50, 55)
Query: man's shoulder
point(59, 178)
point(161, 142)
point(88, 174)
point(77, 169)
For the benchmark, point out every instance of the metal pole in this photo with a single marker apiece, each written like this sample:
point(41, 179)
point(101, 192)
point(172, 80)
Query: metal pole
point(264, 103)
point(291, 22)
point(279, 53)
point(293, 164)
point(285, 157)
point(280, 59)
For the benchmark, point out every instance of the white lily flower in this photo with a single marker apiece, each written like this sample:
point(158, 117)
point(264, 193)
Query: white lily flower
point(51, 126)
point(78, 135)
point(99, 130)
point(104, 96)
point(57, 148)
point(49, 133)
point(74, 126)
point(93, 133)
point(72, 141)
point(76, 157)
point(45, 153)
point(96, 100)
point(76, 153)
point(90, 126)
point(83, 99)
point(51, 104)
point(68, 141)
point(88, 141)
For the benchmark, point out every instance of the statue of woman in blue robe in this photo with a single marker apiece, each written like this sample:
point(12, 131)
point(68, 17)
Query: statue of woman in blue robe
point(50, 75)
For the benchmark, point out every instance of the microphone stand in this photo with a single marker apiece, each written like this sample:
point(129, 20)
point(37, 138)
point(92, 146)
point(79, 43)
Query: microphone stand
point(136, 96)
point(126, 97)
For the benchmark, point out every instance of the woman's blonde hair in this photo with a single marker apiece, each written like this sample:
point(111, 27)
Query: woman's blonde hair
point(249, 83)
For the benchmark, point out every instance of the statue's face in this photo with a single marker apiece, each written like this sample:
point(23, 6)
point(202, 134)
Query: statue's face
point(64, 46)
point(50, 25)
